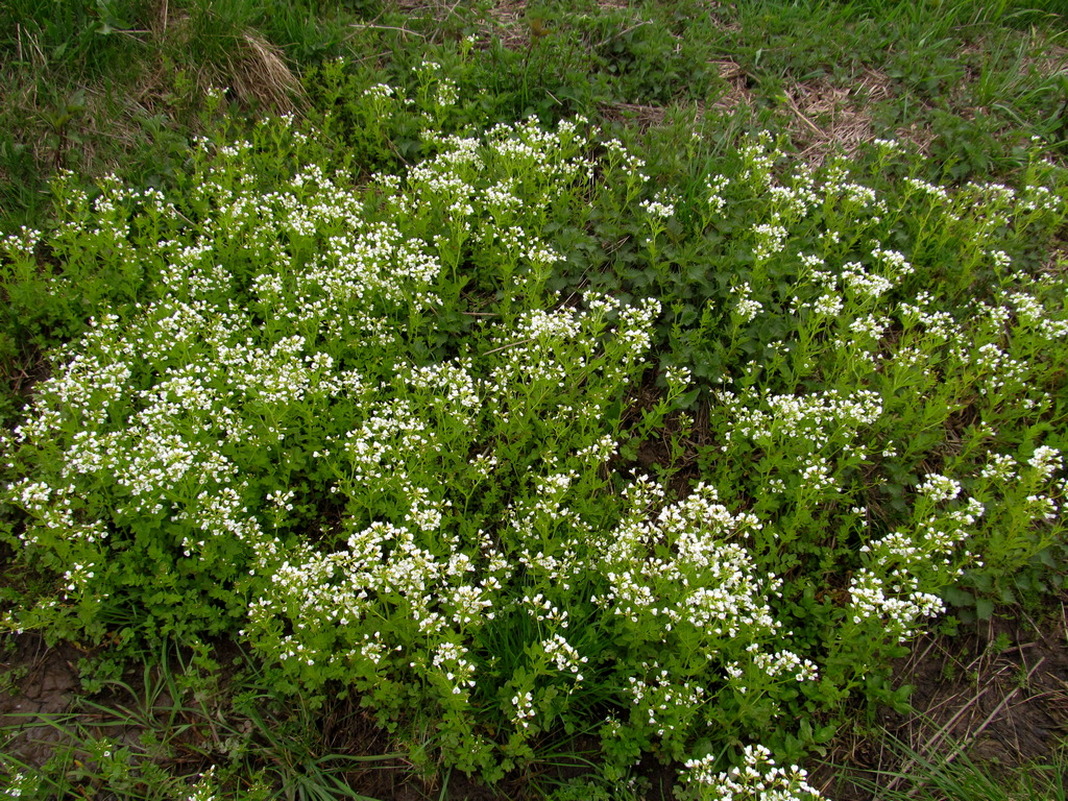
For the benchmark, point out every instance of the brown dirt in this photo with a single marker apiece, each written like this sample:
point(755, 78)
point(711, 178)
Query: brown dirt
point(997, 693)
point(40, 684)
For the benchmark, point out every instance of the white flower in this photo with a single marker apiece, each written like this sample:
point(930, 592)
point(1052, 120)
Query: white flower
point(939, 488)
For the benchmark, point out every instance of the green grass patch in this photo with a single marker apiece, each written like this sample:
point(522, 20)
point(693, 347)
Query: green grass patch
point(545, 435)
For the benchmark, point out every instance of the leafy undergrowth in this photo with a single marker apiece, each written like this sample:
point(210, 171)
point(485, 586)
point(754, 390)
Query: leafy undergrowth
point(387, 435)
point(552, 446)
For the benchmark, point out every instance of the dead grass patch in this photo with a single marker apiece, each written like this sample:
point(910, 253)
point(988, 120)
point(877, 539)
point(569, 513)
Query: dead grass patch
point(738, 93)
point(1054, 61)
point(918, 136)
point(832, 118)
point(509, 23)
point(260, 75)
point(644, 116)
point(826, 117)
point(253, 69)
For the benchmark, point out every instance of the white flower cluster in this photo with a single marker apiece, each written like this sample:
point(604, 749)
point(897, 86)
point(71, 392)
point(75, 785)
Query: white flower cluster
point(21, 244)
point(1046, 461)
point(888, 146)
point(746, 308)
point(895, 588)
point(939, 488)
point(785, 663)
point(898, 609)
point(937, 192)
point(658, 208)
point(379, 91)
point(170, 405)
point(862, 283)
point(716, 589)
point(663, 695)
point(1000, 467)
point(204, 789)
point(21, 785)
point(758, 778)
point(284, 421)
point(564, 656)
point(452, 589)
point(758, 157)
point(770, 239)
point(818, 418)
point(631, 164)
point(715, 185)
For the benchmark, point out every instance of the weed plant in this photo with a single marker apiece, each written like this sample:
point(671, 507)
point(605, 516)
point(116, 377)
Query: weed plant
point(183, 727)
point(120, 86)
point(386, 432)
point(931, 778)
point(542, 432)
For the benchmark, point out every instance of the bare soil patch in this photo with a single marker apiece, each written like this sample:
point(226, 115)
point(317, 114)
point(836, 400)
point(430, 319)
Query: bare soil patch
point(997, 693)
point(40, 683)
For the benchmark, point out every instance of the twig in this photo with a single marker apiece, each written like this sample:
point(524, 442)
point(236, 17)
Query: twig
point(387, 28)
point(452, 10)
point(804, 119)
point(509, 345)
point(623, 32)
point(931, 642)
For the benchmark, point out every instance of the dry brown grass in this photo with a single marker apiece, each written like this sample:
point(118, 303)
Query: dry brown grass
point(261, 76)
point(507, 22)
point(643, 116)
point(254, 69)
point(824, 117)
point(97, 127)
point(833, 118)
point(737, 94)
point(1053, 61)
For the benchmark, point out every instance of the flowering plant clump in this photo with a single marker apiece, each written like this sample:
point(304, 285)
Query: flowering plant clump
point(355, 426)
point(758, 778)
point(282, 443)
